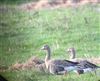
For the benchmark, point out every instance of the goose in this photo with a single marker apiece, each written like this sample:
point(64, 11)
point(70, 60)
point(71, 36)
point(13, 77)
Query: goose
point(41, 68)
point(34, 60)
point(57, 67)
point(38, 64)
point(83, 65)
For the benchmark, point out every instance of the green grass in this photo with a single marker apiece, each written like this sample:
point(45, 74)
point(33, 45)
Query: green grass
point(22, 34)
point(13, 2)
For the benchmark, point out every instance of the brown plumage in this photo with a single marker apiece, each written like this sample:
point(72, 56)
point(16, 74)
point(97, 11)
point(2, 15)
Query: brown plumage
point(39, 64)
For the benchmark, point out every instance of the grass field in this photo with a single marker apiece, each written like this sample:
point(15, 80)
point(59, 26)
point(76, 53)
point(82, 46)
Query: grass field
point(23, 33)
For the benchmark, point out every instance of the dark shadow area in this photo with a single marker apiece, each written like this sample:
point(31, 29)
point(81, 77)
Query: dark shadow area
point(2, 78)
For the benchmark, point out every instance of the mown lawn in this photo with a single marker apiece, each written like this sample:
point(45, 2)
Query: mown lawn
point(23, 33)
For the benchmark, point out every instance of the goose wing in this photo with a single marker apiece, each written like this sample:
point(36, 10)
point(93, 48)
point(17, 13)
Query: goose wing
point(64, 62)
point(57, 68)
point(86, 64)
point(60, 66)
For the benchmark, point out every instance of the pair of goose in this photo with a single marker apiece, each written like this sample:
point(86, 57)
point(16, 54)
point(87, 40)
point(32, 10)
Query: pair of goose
point(59, 67)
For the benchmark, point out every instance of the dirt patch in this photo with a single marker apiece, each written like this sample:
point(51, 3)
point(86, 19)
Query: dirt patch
point(55, 4)
point(35, 63)
point(31, 63)
point(94, 60)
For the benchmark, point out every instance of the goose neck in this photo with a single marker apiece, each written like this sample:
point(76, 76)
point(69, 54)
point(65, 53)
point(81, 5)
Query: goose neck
point(47, 55)
point(72, 55)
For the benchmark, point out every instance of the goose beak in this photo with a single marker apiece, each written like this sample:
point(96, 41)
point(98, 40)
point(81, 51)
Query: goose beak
point(42, 48)
point(68, 50)
point(45, 47)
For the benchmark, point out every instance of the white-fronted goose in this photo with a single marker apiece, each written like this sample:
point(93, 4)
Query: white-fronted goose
point(37, 63)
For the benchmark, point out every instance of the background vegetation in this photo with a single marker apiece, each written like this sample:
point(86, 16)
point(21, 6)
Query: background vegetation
point(22, 34)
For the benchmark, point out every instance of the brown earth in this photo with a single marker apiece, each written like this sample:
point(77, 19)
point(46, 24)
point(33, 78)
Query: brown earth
point(56, 4)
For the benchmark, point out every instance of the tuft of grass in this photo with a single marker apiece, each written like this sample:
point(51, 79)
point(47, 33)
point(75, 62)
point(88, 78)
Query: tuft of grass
point(22, 34)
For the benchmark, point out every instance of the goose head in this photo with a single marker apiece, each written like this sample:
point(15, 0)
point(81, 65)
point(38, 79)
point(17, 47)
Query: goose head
point(45, 47)
point(71, 52)
point(48, 52)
